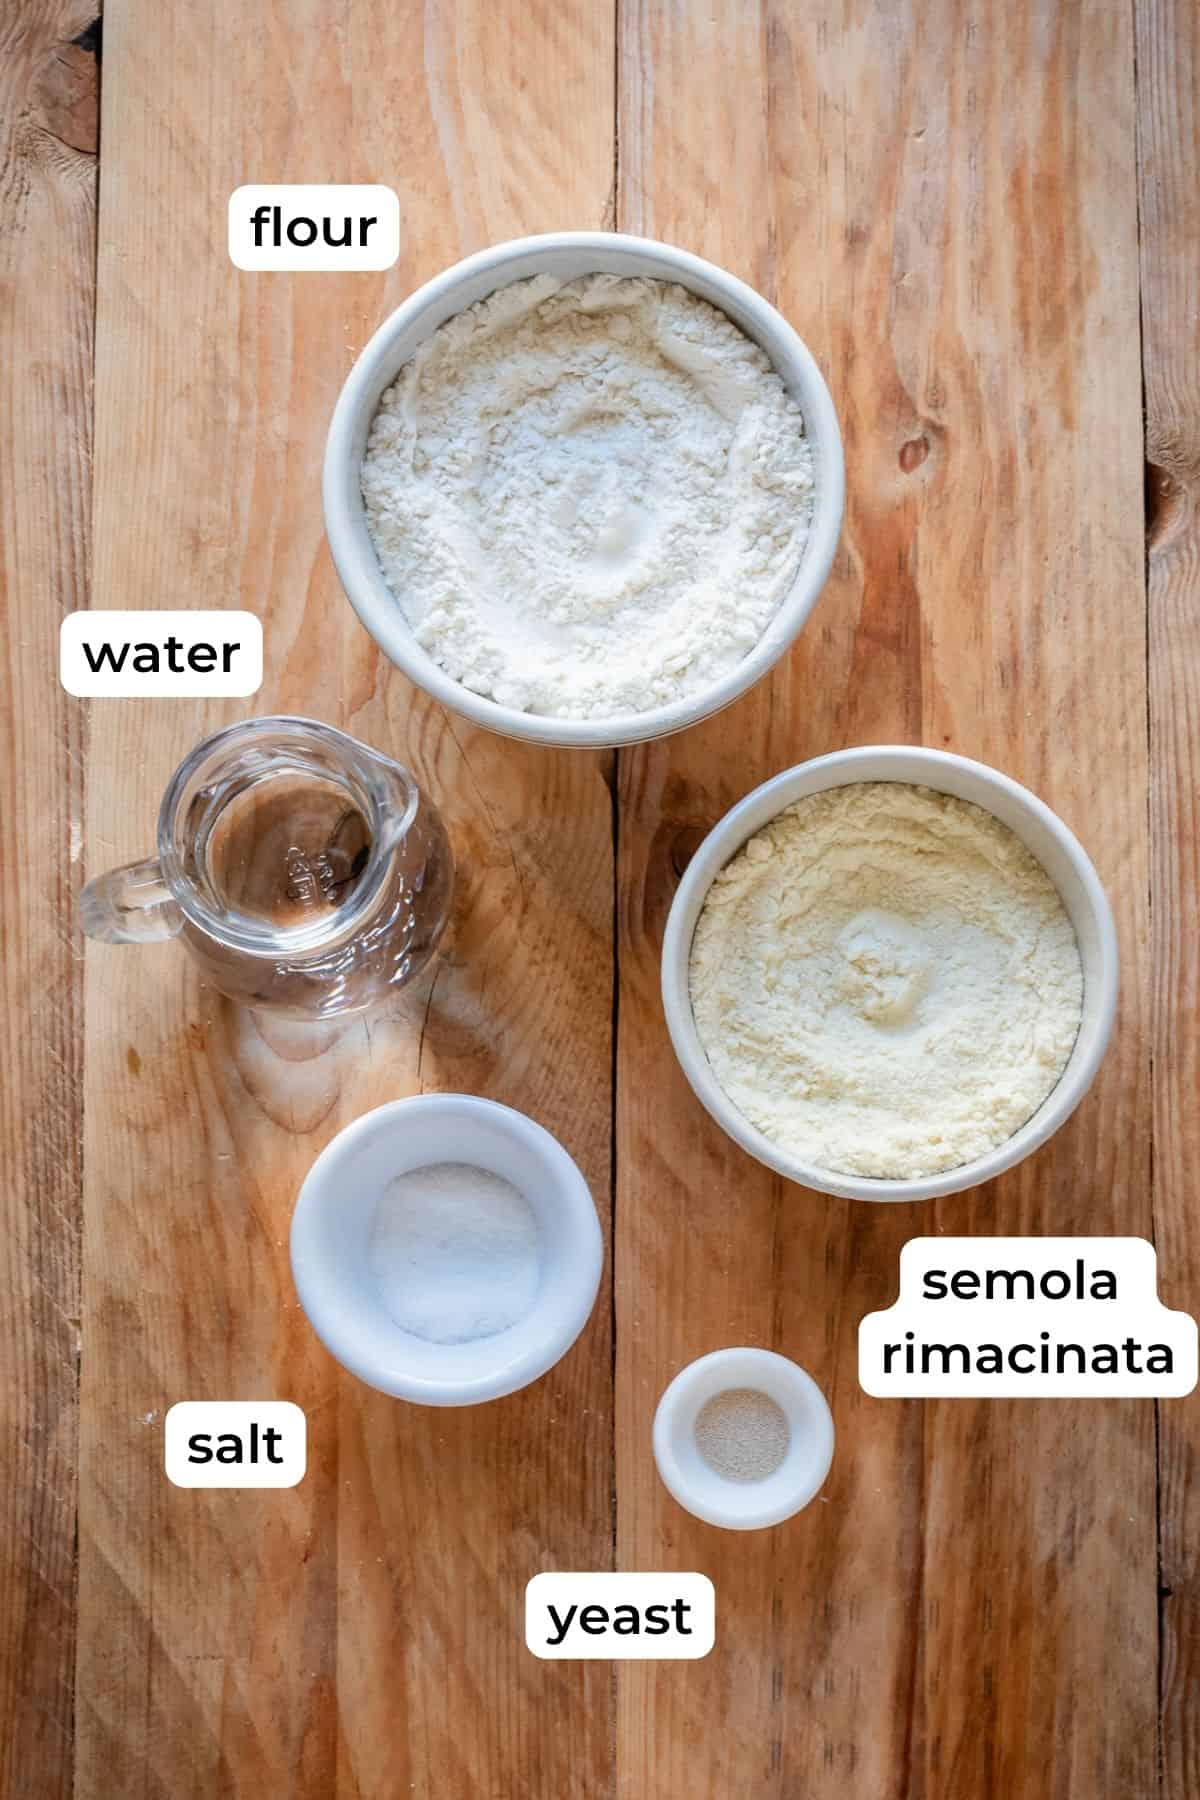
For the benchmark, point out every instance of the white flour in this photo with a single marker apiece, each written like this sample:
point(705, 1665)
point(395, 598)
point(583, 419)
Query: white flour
point(885, 981)
point(589, 498)
point(455, 1253)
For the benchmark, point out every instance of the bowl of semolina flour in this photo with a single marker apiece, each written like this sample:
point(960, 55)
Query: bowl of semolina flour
point(890, 973)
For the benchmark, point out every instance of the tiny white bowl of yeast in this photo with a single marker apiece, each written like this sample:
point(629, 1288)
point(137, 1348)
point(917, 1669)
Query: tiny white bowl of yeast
point(446, 1249)
point(743, 1438)
point(565, 257)
point(1070, 873)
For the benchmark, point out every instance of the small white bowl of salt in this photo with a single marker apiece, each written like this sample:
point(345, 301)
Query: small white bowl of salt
point(446, 1249)
point(743, 1438)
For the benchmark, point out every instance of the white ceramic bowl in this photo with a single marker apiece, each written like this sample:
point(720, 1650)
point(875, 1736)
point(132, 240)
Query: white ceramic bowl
point(1058, 851)
point(331, 1231)
point(568, 254)
point(743, 1505)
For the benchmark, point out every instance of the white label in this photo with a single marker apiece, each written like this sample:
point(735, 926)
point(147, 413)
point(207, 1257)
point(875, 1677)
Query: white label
point(152, 654)
point(1002, 1317)
point(313, 227)
point(568, 1617)
point(236, 1444)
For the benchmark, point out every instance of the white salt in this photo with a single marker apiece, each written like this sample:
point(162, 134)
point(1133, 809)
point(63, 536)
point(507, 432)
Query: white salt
point(455, 1252)
point(742, 1434)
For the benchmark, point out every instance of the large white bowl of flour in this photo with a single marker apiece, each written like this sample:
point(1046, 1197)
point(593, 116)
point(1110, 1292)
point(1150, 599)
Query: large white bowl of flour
point(931, 990)
point(572, 501)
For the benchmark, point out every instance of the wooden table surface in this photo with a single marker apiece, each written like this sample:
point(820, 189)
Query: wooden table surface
point(984, 221)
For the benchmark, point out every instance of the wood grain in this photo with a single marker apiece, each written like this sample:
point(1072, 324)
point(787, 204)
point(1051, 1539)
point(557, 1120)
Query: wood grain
point(47, 249)
point(943, 201)
point(988, 1602)
point(1168, 74)
point(361, 1634)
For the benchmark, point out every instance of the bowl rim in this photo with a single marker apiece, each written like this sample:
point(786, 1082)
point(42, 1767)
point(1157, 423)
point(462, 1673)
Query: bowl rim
point(723, 842)
point(380, 612)
point(318, 1287)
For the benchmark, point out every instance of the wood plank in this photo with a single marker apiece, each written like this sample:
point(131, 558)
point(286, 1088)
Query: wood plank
point(362, 1633)
point(48, 93)
point(942, 200)
point(1168, 74)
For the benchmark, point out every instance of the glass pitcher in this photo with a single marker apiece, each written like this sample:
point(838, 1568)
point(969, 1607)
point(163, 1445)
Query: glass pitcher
point(304, 871)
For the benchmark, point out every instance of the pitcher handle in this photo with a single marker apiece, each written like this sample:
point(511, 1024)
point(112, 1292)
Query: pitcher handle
point(131, 905)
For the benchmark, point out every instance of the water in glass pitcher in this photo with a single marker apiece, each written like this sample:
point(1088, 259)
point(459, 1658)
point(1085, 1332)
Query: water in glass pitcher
point(287, 849)
point(321, 875)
